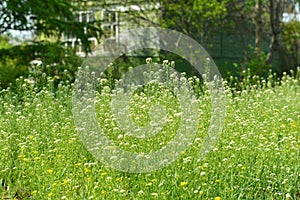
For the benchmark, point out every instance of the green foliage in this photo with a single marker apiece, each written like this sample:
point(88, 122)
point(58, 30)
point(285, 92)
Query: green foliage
point(257, 62)
point(51, 18)
point(213, 9)
point(10, 69)
point(197, 19)
point(56, 62)
point(13, 63)
point(5, 41)
point(291, 37)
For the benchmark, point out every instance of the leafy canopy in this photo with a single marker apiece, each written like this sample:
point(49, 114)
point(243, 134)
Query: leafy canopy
point(47, 17)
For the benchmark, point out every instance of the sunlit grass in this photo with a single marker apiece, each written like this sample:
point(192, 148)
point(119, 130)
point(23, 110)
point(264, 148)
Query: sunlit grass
point(256, 157)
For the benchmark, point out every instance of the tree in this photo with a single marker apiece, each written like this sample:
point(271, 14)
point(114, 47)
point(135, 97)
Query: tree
point(48, 17)
point(196, 19)
point(44, 18)
point(259, 24)
point(276, 8)
point(291, 38)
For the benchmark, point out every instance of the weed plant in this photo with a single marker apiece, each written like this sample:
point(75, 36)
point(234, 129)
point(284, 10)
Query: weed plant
point(256, 156)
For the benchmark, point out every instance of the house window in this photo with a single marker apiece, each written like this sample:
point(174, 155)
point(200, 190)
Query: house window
point(109, 17)
point(110, 27)
point(85, 16)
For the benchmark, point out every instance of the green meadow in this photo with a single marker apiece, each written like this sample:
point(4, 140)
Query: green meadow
point(257, 155)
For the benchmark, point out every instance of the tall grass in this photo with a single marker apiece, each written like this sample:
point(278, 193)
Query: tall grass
point(256, 157)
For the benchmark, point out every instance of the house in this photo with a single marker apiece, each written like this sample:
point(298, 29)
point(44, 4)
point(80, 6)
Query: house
point(115, 17)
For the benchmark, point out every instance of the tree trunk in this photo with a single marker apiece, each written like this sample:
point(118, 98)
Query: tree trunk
point(258, 26)
point(276, 11)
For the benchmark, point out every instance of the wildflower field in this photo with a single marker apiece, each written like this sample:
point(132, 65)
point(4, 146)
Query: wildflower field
point(257, 155)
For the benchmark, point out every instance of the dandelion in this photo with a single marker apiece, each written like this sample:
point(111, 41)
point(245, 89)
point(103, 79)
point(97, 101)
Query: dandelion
point(49, 171)
point(218, 181)
point(217, 198)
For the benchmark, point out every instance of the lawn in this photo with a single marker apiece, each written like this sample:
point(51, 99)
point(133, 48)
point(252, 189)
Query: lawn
point(256, 156)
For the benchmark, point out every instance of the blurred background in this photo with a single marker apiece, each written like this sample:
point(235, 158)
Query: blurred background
point(52, 37)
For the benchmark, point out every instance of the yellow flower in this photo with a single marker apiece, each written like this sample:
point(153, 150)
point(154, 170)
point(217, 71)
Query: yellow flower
point(49, 171)
point(218, 181)
point(118, 179)
point(86, 170)
point(78, 164)
point(293, 124)
point(50, 194)
point(65, 181)
point(59, 156)
point(34, 192)
point(102, 191)
point(183, 184)
point(26, 159)
point(243, 167)
point(54, 184)
point(104, 174)
point(217, 198)
point(153, 180)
